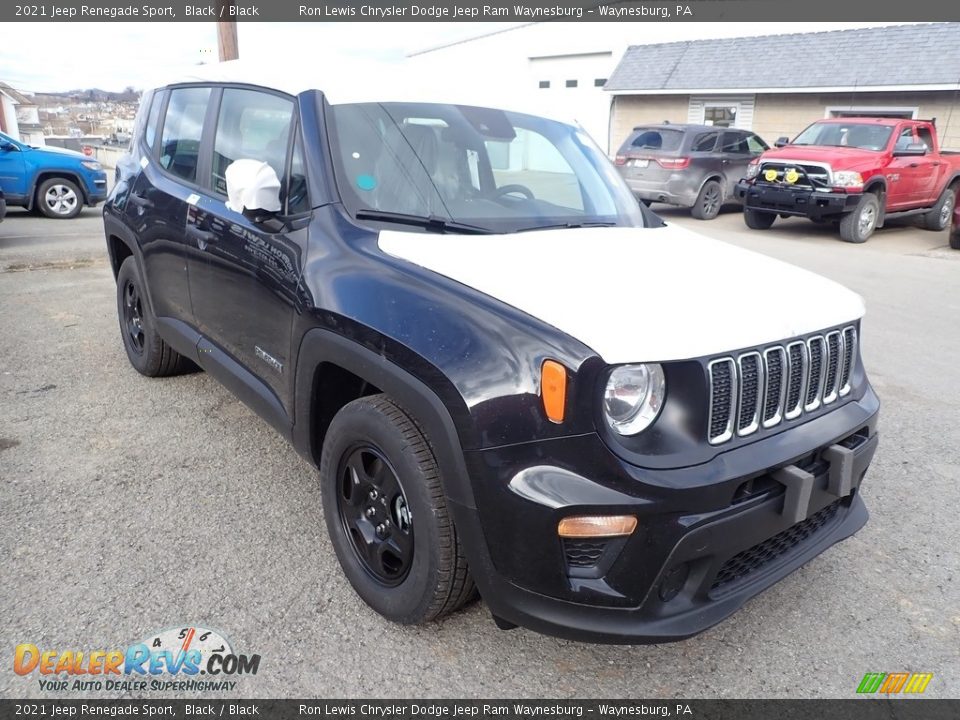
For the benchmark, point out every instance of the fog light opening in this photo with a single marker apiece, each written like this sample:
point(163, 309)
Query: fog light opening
point(596, 526)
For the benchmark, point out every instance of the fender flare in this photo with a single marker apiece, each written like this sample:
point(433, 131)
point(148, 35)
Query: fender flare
point(114, 227)
point(320, 345)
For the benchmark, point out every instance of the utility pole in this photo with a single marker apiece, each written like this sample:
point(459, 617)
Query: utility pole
point(227, 32)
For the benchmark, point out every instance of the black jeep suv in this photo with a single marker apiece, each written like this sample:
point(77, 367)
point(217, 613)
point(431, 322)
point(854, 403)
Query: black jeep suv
point(508, 373)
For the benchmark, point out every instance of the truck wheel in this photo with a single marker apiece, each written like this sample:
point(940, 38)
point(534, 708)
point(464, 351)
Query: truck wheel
point(146, 351)
point(59, 198)
point(386, 514)
point(857, 226)
point(938, 218)
point(709, 201)
point(758, 220)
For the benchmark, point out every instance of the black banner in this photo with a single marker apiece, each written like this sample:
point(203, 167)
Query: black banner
point(853, 709)
point(479, 10)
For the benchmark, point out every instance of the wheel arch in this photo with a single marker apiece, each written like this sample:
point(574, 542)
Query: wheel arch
point(44, 175)
point(332, 370)
point(877, 185)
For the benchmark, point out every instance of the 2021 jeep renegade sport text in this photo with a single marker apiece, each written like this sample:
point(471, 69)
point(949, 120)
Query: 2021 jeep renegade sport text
point(510, 375)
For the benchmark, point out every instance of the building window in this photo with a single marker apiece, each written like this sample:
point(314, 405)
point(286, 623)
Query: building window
point(571, 83)
point(599, 82)
point(720, 115)
point(544, 84)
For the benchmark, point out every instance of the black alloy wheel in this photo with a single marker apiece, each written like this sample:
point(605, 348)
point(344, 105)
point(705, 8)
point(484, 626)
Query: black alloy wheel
point(133, 315)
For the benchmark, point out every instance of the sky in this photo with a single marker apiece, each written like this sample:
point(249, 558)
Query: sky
point(112, 56)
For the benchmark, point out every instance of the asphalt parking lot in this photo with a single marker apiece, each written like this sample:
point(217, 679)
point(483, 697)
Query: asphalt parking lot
point(129, 505)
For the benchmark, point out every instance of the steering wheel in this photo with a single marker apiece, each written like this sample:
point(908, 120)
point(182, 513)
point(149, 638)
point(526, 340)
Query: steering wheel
point(510, 189)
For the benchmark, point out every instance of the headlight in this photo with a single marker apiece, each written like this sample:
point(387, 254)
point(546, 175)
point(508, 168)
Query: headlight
point(847, 179)
point(92, 165)
point(752, 169)
point(633, 397)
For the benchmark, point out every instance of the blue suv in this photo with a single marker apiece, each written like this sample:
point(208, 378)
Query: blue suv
point(59, 182)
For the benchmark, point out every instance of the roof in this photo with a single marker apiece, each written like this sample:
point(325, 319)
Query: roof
point(15, 95)
point(368, 82)
point(910, 57)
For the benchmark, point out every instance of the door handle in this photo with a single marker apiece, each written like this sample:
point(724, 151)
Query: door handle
point(203, 237)
point(913, 165)
point(140, 201)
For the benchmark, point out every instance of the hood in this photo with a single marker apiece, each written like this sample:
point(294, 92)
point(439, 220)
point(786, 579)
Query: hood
point(638, 294)
point(839, 156)
point(61, 151)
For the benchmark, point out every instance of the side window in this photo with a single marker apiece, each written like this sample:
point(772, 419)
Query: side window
point(297, 199)
point(182, 128)
point(755, 145)
point(904, 139)
point(705, 142)
point(153, 119)
point(253, 125)
point(734, 142)
point(926, 137)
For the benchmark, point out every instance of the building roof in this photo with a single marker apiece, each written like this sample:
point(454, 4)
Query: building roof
point(915, 57)
point(15, 95)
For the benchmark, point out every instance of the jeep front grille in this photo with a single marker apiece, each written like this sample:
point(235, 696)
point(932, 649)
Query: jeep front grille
point(754, 390)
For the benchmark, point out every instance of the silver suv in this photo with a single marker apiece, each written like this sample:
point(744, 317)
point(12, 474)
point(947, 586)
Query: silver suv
point(694, 166)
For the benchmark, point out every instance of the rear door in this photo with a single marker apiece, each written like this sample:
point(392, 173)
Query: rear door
point(156, 206)
point(244, 273)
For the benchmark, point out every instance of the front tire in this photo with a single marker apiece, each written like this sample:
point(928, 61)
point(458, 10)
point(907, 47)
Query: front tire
point(938, 218)
point(857, 226)
point(709, 201)
point(386, 514)
point(146, 350)
point(758, 220)
point(59, 198)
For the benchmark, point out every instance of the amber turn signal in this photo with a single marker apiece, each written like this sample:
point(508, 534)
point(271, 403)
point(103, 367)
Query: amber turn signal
point(553, 389)
point(586, 526)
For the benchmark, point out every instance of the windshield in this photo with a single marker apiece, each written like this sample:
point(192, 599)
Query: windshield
point(856, 135)
point(492, 170)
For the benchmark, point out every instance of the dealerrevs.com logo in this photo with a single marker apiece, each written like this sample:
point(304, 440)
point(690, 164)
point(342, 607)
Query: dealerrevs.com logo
point(177, 659)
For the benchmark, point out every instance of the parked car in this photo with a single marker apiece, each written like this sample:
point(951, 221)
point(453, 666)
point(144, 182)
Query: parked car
point(955, 225)
point(694, 166)
point(3, 206)
point(59, 182)
point(508, 372)
point(858, 172)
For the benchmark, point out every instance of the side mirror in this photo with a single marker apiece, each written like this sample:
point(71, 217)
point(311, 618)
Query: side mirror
point(911, 150)
point(253, 188)
point(8, 147)
point(782, 140)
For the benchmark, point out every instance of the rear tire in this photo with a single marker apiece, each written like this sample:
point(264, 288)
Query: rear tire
point(857, 226)
point(758, 220)
point(146, 351)
point(387, 515)
point(59, 198)
point(709, 201)
point(939, 216)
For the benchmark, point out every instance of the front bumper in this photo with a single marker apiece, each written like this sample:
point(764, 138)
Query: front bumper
point(798, 201)
point(709, 537)
point(96, 188)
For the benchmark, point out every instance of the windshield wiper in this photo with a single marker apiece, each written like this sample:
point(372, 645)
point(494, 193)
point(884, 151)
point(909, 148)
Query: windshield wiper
point(568, 226)
point(428, 222)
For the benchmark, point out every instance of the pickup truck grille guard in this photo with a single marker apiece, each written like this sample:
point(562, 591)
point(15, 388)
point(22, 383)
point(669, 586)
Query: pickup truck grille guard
point(812, 176)
point(761, 389)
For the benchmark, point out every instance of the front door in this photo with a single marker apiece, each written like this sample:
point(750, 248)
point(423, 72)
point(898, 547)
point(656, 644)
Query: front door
point(244, 273)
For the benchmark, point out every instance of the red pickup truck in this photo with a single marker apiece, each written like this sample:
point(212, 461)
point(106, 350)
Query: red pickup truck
point(857, 171)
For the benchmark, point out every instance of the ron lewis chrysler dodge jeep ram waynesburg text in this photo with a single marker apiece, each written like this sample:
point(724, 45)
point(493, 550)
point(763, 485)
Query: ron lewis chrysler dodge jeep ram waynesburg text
point(510, 375)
